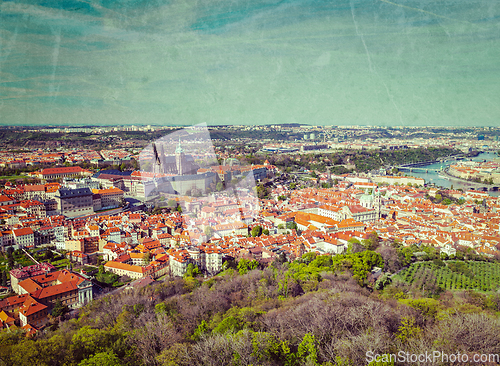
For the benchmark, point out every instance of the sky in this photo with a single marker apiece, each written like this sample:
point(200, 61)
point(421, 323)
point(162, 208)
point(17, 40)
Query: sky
point(250, 62)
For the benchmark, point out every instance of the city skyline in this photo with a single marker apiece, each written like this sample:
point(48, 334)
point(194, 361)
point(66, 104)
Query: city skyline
point(181, 63)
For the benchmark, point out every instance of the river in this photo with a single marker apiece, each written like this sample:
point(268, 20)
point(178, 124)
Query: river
point(433, 177)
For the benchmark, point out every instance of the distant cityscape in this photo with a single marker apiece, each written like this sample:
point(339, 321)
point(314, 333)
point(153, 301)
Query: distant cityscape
point(78, 222)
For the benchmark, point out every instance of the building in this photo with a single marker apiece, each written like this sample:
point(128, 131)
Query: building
point(39, 289)
point(235, 228)
point(6, 200)
point(12, 304)
point(124, 269)
point(24, 237)
point(33, 313)
point(19, 274)
point(178, 164)
point(72, 245)
point(72, 289)
point(179, 261)
point(33, 207)
point(110, 197)
point(74, 202)
point(6, 321)
point(183, 184)
point(211, 259)
point(89, 244)
point(62, 172)
point(79, 257)
point(314, 147)
point(44, 235)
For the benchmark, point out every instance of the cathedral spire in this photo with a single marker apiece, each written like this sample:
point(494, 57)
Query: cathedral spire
point(179, 150)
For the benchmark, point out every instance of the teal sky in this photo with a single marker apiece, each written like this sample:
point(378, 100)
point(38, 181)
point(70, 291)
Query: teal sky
point(183, 62)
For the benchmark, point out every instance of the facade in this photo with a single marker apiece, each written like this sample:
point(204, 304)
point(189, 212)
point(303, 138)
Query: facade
point(123, 269)
point(34, 208)
point(211, 260)
point(24, 237)
point(236, 228)
point(44, 235)
point(178, 264)
point(71, 245)
point(75, 202)
point(110, 197)
point(96, 201)
point(355, 212)
point(187, 183)
point(33, 313)
point(178, 164)
point(62, 172)
point(89, 244)
point(399, 180)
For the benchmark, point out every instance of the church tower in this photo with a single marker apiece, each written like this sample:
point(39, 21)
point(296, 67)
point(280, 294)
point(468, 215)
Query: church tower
point(377, 203)
point(179, 158)
point(157, 168)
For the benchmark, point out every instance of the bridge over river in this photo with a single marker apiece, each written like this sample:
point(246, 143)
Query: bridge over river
point(443, 174)
point(418, 169)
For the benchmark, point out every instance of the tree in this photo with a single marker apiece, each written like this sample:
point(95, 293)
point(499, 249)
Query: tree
point(192, 270)
point(59, 309)
point(146, 258)
point(372, 242)
point(307, 350)
point(49, 255)
point(408, 330)
point(101, 359)
point(4, 278)
point(262, 192)
point(383, 281)
point(209, 231)
point(281, 258)
point(244, 265)
point(10, 262)
point(354, 246)
point(256, 231)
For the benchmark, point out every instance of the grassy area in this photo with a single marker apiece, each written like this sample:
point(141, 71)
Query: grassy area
point(22, 259)
point(107, 209)
point(90, 270)
point(11, 177)
point(3, 263)
point(453, 275)
point(107, 278)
